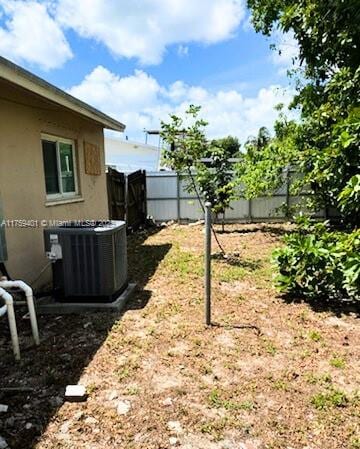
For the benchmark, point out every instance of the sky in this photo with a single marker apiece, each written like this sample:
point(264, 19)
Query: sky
point(141, 60)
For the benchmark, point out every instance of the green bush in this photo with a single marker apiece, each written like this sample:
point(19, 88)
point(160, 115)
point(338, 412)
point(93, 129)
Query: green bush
point(319, 263)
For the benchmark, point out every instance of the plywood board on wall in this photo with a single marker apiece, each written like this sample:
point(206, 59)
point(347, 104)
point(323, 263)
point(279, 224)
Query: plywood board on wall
point(92, 158)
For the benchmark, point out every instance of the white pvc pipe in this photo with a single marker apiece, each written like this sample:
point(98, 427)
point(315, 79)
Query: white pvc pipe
point(3, 310)
point(9, 304)
point(30, 303)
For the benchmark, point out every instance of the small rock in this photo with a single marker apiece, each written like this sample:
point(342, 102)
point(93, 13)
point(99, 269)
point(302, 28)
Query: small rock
point(90, 420)
point(86, 325)
point(4, 408)
point(75, 393)
point(173, 441)
point(28, 425)
point(3, 443)
point(174, 426)
point(123, 407)
point(26, 406)
point(65, 427)
point(113, 395)
point(167, 402)
point(78, 415)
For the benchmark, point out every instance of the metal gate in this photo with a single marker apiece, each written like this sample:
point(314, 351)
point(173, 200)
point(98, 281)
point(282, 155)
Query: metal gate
point(127, 197)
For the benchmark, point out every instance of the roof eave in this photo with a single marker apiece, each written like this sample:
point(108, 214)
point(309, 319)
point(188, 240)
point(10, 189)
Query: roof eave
point(28, 81)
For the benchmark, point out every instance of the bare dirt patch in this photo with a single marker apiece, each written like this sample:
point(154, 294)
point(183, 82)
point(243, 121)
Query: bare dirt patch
point(179, 384)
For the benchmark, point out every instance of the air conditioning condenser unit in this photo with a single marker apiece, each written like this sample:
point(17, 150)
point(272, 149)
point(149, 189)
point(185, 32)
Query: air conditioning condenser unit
point(89, 260)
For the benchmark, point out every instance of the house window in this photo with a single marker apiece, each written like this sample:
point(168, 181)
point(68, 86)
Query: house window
point(60, 167)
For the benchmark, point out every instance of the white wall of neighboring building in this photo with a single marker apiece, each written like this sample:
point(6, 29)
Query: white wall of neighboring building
point(128, 156)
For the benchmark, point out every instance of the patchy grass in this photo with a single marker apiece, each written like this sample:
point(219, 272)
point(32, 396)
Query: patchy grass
point(271, 374)
point(315, 336)
point(332, 398)
point(337, 362)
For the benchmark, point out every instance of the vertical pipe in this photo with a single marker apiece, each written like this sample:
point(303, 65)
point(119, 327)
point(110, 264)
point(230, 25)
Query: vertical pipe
point(126, 201)
point(30, 302)
point(13, 331)
point(207, 264)
point(33, 320)
point(12, 322)
point(178, 198)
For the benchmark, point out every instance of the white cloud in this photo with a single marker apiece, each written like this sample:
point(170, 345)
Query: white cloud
point(141, 102)
point(30, 34)
point(145, 28)
point(286, 54)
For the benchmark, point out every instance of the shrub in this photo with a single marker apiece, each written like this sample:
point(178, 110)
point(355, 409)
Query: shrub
point(319, 263)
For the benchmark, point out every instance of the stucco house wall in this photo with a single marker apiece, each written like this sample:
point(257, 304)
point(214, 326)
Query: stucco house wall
point(23, 119)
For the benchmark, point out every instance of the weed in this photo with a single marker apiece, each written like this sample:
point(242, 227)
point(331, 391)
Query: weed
point(337, 362)
point(133, 390)
point(263, 276)
point(240, 299)
point(306, 353)
point(332, 398)
point(216, 401)
point(312, 378)
point(183, 263)
point(229, 273)
point(270, 348)
point(217, 427)
point(247, 405)
point(214, 398)
point(315, 336)
point(281, 385)
point(91, 388)
point(123, 373)
point(214, 428)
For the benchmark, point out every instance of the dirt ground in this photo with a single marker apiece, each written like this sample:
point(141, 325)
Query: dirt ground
point(270, 373)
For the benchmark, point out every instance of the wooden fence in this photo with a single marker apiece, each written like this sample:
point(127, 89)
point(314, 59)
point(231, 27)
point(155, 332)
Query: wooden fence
point(127, 197)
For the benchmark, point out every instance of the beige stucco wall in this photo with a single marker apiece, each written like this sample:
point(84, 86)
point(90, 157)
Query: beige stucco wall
point(22, 184)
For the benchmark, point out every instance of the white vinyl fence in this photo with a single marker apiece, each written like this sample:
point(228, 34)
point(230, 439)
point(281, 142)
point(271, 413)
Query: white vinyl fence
point(167, 199)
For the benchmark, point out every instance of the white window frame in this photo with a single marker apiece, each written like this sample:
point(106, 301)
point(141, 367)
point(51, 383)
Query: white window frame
point(62, 195)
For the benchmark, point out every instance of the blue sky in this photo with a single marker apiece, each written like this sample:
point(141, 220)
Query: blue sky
point(242, 61)
point(140, 60)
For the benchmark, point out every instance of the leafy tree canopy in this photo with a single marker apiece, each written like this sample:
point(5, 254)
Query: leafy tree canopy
point(327, 31)
point(188, 147)
point(324, 145)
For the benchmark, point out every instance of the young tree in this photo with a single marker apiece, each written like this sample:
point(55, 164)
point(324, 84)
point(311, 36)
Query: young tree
point(188, 151)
